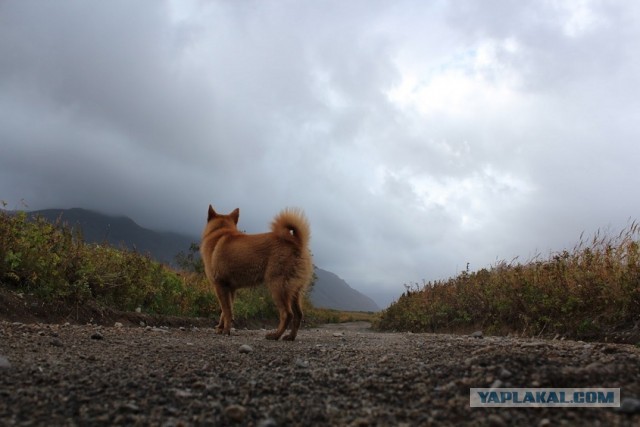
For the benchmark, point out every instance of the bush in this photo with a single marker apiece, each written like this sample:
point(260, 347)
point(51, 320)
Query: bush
point(580, 293)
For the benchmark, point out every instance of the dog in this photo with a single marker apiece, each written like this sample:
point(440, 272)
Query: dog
point(280, 259)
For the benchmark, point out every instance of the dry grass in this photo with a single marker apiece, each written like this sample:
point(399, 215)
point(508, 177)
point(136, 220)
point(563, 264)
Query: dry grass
point(583, 293)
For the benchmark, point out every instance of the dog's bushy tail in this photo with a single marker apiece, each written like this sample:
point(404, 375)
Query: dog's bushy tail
point(292, 224)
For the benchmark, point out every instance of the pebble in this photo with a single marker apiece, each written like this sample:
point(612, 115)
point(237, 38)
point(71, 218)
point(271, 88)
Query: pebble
point(338, 334)
point(235, 412)
point(268, 422)
point(97, 336)
point(301, 363)
point(245, 348)
point(56, 342)
point(505, 373)
point(630, 405)
point(118, 325)
point(4, 363)
point(496, 420)
point(477, 334)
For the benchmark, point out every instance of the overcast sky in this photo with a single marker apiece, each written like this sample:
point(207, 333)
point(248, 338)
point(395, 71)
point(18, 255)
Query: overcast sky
point(418, 136)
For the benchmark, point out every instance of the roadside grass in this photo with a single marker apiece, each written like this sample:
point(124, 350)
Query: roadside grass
point(582, 293)
point(52, 262)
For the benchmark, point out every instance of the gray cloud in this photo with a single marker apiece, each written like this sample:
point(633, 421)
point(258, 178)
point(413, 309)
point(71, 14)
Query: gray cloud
point(417, 136)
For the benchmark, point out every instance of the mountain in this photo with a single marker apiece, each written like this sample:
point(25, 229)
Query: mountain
point(121, 231)
point(329, 291)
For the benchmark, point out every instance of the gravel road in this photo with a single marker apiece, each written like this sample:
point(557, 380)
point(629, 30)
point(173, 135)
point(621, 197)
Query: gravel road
point(337, 375)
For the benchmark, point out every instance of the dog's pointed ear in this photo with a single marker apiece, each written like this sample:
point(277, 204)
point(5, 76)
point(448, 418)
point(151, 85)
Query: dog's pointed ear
point(212, 214)
point(235, 215)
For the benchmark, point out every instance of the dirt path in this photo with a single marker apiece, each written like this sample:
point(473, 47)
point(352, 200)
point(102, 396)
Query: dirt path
point(344, 375)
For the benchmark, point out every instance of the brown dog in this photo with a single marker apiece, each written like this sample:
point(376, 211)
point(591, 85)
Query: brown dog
point(280, 259)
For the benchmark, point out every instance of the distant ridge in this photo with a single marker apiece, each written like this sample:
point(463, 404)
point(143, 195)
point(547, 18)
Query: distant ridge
point(329, 291)
point(120, 231)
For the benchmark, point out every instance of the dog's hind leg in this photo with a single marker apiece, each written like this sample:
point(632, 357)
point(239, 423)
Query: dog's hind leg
point(297, 317)
point(283, 302)
point(225, 298)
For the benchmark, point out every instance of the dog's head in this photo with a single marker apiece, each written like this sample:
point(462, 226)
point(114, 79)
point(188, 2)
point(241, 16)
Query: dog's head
point(216, 221)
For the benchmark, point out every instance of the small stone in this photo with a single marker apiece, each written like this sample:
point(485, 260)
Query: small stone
point(4, 363)
point(138, 310)
point(505, 373)
point(235, 412)
point(97, 336)
point(130, 406)
point(496, 384)
point(477, 334)
point(496, 420)
point(338, 334)
point(301, 363)
point(630, 405)
point(268, 422)
point(118, 325)
point(246, 349)
point(183, 393)
point(56, 342)
point(545, 422)
point(142, 323)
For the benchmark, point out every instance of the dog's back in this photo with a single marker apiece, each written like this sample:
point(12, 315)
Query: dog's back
point(241, 260)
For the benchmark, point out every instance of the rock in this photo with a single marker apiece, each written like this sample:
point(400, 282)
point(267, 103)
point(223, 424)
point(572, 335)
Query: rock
point(496, 420)
point(338, 334)
point(477, 334)
point(301, 363)
point(245, 348)
point(235, 412)
point(118, 325)
point(496, 384)
point(505, 373)
point(268, 422)
point(183, 393)
point(630, 405)
point(56, 342)
point(97, 336)
point(4, 363)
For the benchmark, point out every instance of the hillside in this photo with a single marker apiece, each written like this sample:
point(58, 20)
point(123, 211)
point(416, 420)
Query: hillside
point(121, 231)
point(329, 290)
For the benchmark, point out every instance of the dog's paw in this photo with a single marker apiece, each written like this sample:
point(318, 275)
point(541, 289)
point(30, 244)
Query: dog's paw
point(272, 336)
point(288, 337)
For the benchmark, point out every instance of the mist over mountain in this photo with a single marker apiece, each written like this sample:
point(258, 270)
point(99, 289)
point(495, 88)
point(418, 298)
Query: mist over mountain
point(329, 290)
